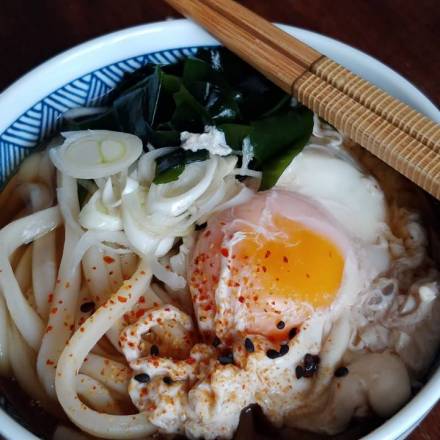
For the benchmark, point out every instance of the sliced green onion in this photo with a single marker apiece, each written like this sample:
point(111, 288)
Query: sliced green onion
point(93, 154)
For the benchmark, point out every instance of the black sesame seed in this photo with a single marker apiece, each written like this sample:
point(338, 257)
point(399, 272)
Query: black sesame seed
point(308, 359)
point(284, 349)
point(142, 378)
point(168, 380)
point(311, 364)
point(249, 345)
point(200, 227)
point(281, 325)
point(341, 372)
point(216, 342)
point(293, 332)
point(388, 289)
point(225, 359)
point(154, 350)
point(299, 372)
point(272, 354)
point(87, 307)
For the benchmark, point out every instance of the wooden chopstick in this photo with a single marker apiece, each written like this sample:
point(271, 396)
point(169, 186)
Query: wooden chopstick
point(389, 108)
point(397, 134)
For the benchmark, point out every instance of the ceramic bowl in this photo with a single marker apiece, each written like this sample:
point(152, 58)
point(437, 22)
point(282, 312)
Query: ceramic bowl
point(30, 110)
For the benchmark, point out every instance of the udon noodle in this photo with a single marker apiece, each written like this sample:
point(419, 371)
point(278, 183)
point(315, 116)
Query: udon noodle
point(104, 311)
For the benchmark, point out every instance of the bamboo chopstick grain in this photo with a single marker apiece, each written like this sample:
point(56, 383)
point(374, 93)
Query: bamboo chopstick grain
point(255, 50)
point(395, 147)
point(394, 111)
point(390, 129)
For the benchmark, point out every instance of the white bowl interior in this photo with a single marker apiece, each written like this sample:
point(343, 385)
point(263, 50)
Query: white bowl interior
point(143, 39)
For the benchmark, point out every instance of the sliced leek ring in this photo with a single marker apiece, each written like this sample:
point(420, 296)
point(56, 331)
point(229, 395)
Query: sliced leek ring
point(93, 154)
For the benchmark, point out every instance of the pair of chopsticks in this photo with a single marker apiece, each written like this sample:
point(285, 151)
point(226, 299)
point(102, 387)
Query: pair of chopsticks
point(400, 136)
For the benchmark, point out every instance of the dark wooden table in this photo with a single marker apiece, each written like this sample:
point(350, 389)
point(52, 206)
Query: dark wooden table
point(405, 34)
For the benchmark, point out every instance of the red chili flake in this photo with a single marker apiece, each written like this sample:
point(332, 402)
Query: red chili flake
point(71, 327)
point(50, 298)
point(142, 272)
point(207, 308)
point(264, 268)
point(140, 312)
point(122, 299)
point(54, 310)
point(190, 361)
point(241, 299)
point(81, 329)
point(285, 259)
point(107, 259)
point(215, 279)
point(224, 252)
point(49, 362)
point(236, 284)
point(141, 300)
point(207, 233)
point(267, 254)
point(49, 328)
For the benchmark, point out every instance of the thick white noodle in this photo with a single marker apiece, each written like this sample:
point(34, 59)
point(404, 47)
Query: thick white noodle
point(12, 236)
point(95, 238)
point(44, 271)
point(4, 326)
point(114, 375)
point(23, 271)
point(82, 341)
point(96, 395)
point(96, 274)
point(22, 363)
point(116, 279)
point(129, 263)
point(62, 314)
point(113, 265)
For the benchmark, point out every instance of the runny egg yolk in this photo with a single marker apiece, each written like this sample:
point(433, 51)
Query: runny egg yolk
point(297, 264)
point(266, 266)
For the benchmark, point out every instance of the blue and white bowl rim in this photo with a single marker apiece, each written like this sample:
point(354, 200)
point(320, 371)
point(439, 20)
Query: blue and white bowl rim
point(77, 77)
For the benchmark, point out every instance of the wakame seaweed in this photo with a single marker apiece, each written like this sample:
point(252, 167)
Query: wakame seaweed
point(212, 87)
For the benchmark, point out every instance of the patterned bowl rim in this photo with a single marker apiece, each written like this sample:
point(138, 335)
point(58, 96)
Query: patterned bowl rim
point(177, 35)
